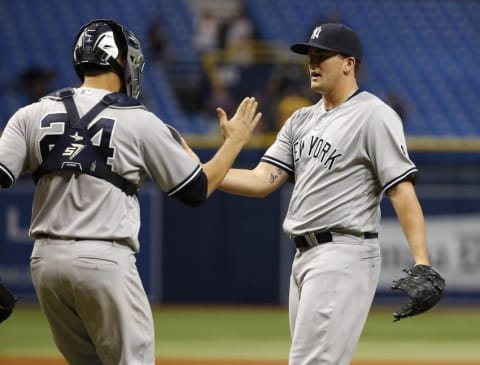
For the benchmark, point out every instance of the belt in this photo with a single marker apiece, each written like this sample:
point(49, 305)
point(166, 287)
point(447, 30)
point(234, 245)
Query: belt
point(304, 243)
point(53, 237)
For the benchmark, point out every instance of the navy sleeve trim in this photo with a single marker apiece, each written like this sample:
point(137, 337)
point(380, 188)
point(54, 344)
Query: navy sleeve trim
point(6, 177)
point(185, 182)
point(409, 173)
point(277, 163)
point(194, 193)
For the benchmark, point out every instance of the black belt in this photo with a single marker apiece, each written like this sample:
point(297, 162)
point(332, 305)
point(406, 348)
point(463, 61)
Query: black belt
point(302, 243)
point(63, 238)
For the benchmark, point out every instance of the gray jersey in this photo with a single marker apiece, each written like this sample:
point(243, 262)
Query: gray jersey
point(342, 160)
point(68, 205)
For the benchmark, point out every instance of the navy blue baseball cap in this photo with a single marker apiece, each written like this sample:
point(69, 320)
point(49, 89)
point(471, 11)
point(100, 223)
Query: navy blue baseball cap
point(333, 37)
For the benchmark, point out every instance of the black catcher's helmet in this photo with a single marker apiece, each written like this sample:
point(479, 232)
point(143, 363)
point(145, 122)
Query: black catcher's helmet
point(103, 42)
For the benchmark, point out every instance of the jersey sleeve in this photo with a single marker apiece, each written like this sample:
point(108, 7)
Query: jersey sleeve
point(166, 161)
point(387, 148)
point(280, 153)
point(13, 149)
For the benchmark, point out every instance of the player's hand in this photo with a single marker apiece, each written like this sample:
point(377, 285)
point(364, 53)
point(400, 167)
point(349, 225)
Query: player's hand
point(241, 126)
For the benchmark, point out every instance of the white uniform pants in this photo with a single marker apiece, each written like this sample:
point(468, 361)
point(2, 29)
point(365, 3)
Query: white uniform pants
point(331, 291)
point(94, 301)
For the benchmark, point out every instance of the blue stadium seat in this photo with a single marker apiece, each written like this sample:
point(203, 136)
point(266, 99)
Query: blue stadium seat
point(41, 34)
point(425, 51)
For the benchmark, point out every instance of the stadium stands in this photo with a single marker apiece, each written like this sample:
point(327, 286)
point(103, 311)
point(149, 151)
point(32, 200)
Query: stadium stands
point(424, 52)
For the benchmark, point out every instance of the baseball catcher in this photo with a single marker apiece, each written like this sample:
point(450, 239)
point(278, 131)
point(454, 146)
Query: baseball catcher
point(7, 302)
point(424, 287)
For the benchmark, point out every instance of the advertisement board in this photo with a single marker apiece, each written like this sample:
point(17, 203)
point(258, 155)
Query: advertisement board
point(454, 249)
point(16, 245)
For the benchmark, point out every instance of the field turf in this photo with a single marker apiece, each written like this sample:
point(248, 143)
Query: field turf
point(261, 333)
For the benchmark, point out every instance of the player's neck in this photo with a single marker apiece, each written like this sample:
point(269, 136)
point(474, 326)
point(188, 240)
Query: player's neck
point(107, 81)
point(339, 95)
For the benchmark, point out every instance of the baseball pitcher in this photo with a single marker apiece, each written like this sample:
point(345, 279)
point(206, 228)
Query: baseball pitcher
point(342, 154)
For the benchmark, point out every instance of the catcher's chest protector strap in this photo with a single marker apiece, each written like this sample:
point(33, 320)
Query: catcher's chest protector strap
point(74, 151)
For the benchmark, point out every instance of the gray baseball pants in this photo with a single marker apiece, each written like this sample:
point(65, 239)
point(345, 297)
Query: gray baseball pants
point(94, 301)
point(331, 291)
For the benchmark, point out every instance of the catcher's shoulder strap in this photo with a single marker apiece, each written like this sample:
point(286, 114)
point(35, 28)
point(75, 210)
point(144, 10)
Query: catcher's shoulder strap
point(74, 151)
point(122, 100)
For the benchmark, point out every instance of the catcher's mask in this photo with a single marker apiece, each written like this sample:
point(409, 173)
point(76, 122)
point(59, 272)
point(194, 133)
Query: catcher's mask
point(104, 43)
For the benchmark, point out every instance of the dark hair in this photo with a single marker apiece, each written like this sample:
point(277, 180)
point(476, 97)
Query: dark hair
point(357, 63)
point(357, 68)
point(89, 69)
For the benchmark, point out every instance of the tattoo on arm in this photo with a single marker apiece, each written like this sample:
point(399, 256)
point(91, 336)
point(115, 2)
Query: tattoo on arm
point(275, 175)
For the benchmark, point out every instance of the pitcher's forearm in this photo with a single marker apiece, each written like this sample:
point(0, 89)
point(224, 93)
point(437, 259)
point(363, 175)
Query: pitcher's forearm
point(256, 183)
point(411, 219)
point(220, 163)
point(413, 225)
point(241, 182)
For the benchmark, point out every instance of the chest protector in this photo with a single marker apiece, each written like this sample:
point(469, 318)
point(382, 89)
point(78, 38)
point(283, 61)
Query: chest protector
point(74, 151)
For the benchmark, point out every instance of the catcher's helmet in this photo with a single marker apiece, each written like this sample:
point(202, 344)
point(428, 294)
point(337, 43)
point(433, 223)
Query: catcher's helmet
point(103, 43)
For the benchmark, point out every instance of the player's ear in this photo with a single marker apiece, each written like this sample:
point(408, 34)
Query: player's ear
point(348, 65)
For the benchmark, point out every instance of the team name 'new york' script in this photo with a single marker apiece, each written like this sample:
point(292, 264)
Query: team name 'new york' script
point(318, 148)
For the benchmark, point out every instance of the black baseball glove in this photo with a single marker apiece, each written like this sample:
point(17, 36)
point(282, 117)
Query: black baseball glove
point(7, 302)
point(425, 288)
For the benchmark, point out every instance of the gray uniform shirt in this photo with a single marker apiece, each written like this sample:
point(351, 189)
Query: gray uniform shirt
point(80, 205)
point(343, 160)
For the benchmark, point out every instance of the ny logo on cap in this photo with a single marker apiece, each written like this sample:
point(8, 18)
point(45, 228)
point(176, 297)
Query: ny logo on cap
point(316, 33)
